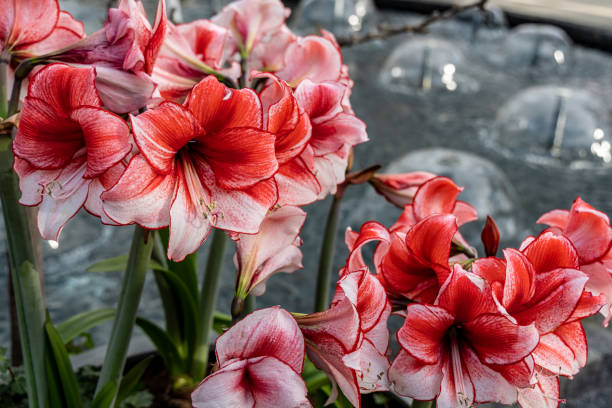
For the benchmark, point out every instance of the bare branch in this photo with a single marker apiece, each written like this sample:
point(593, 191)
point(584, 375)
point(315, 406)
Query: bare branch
point(384, 29)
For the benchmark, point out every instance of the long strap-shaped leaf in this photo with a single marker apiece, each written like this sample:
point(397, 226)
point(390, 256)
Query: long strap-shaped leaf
point(59, 362)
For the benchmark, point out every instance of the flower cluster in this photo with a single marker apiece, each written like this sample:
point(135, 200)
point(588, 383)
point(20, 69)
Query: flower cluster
point(234, 123)
point(475, 330)
point(225, 127)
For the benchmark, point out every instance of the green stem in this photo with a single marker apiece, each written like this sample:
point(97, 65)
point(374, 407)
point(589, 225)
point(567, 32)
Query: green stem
point(129, 298)
point(169, 301)
point(22, 253)
point(422, 404)
point(4, 61)
point(208, 300)
point(327, 255)
point(21, 73)
point(242, 307)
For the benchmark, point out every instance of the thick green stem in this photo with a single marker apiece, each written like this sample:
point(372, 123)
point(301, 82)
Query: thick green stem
point(4, 61)
point(21, 73)
point(208, 300)
point(242, 307)
point(327, 256)
point(21, 252)
point(422, 404)
point(129, 298)
point(168, 299)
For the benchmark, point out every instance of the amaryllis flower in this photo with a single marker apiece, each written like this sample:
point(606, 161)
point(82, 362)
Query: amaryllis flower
point(189, 53)
point(126, 48)
point(312, 58)
point(25, 23)
point(399, 189)
point(590, 232)
point(296, 179)
point(260, 361)
point(411, 265)
point(68, 149)
point(207, 163)
point(369, 360)
point(452, 350)
point(334, 131)
point(67, 30)
point(275, 248)
point(542, 286)
point(349, 340)
point(251, 21)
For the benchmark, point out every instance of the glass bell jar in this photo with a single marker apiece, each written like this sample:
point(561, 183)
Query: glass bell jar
point(424, 65)
point(538, 49)
point(556, 126)
point(341, 17)
point(486, 187)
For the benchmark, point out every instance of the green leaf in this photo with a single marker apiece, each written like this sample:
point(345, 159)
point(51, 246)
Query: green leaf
point(104, 398)
point(55, 393)
point(221, 322)
point(32, 328)
point(130, 380)
point(67, 377)
point(117, 264)
point(80, 323)
point(5, 143)
point(189, 306)
point(164, 345)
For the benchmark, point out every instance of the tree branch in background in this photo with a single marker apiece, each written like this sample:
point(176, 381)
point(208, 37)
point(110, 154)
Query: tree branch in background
point(384, 29)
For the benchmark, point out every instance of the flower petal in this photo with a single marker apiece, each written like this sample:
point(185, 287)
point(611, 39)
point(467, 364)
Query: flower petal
point(225, 388)
point(311, 57)
point(549, 251)
point(436, 196)
point(270, 332)
point(239, 157)
point(297, 185)
point(189, 215)
point(27, 22)
point(161, 132)
point(107, 138)
point(423, 330)
point(589, 230)
point(520, 282)
point(498, 340)
point(413, 378)
point(141, 196)
point(217, 107)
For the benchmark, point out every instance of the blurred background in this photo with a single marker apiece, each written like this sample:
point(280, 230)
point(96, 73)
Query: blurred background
point(513, 102)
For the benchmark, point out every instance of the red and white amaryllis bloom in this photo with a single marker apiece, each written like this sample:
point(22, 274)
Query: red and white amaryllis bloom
point(411, 265)
point(189, 53)
point(124, 51)
point(296, 179)
point(68, 149)
point(252, 21)
point(28, 28)
point(453, 350)
point(275, 248)
point(542, 286)
point(208, 163)
point(350, 339)
point(335, 131)
point(590, 232)
point(260, 361)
